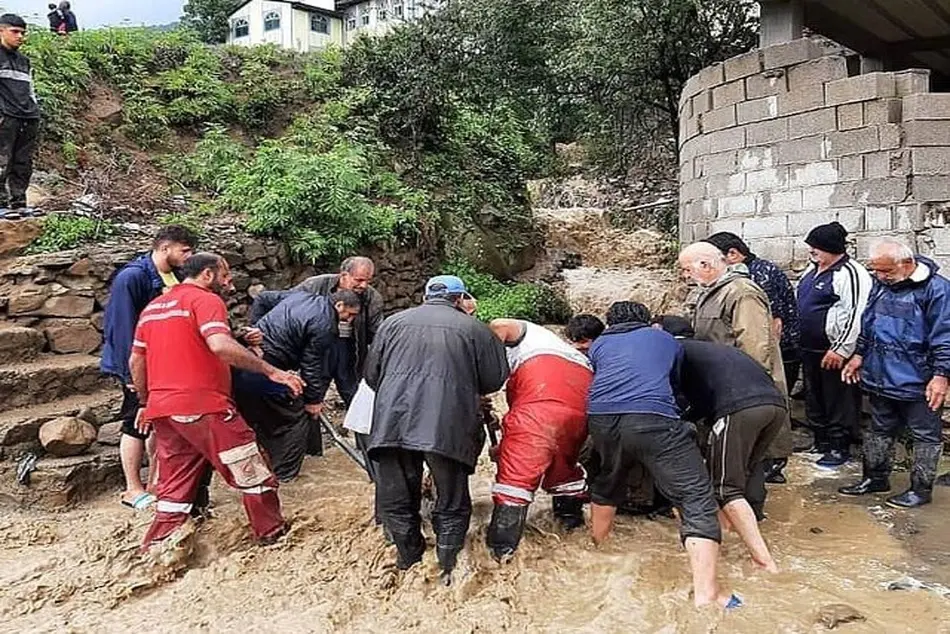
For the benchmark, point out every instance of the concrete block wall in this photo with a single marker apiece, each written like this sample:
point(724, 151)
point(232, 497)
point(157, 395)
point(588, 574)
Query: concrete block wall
point(776, 141)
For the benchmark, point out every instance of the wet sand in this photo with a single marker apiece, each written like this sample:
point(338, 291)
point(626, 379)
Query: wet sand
point(78, 572)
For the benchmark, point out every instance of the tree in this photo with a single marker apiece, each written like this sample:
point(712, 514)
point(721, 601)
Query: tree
point(209, 18)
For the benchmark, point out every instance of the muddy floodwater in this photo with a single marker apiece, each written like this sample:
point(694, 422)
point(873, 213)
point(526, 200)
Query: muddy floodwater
point(77, 571)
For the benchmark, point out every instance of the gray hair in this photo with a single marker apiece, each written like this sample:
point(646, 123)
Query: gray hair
point(703, 253)
point(355, 263)
point(891, 247)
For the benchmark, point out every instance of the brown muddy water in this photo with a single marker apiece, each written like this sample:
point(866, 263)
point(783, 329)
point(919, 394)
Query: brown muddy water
point(77, 571)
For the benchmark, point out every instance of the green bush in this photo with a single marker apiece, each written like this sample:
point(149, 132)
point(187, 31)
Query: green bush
point(61, 232)
point(535, 302)
point(212, 164)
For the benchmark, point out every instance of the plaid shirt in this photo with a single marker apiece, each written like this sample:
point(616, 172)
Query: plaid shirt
point(776, 285)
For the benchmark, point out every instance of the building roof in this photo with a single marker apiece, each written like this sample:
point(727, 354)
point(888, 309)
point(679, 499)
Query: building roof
point(903, 33)
point(303, 5)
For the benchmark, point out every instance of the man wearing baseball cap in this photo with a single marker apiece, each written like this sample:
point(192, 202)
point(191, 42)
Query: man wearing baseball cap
point(429, 366)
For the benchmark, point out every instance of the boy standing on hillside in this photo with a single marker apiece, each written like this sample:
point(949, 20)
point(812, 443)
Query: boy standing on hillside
point(19, 118)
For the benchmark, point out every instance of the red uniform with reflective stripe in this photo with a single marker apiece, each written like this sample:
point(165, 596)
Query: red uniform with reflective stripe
point(184, 377)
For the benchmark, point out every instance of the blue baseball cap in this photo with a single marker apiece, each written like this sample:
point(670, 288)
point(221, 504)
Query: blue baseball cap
point(442, 285)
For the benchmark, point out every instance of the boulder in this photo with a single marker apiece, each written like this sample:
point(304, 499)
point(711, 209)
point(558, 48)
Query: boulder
point(15, 235)
point(67, 306)
point(67, 436)
point(110, 434)
point(67, 336)
point(26, 298)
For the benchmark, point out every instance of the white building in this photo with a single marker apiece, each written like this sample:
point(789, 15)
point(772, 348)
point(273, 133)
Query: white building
point(307, 25)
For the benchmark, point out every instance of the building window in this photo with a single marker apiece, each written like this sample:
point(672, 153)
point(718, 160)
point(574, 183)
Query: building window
point(351, 24)
point(364, 18)
point(382, 15)
point(271, 21)
point(319, 24)
point(397, 11)
point(241, 28)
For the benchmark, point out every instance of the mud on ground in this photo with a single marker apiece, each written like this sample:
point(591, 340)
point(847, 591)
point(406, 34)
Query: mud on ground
point(78, 571)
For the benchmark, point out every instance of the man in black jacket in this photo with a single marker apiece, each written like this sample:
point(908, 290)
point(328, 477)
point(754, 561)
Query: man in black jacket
point(20, 117)
point(298, 335)
point(429, 366)
point(744, 411)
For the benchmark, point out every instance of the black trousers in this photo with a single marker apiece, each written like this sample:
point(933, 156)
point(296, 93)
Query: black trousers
point(17, 144)
point(283, 428)
point(399, 495)
point(342, 365)
point(889, 417)
point(832, 406)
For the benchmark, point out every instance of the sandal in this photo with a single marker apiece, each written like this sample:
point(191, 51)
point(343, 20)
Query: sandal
point(141, 502)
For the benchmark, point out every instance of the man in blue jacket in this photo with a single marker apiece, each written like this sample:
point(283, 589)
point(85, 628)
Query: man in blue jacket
point(902, 360)
point(133, 287)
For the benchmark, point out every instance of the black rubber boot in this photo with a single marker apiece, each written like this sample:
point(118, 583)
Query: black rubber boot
point(922, 476)
point(867, 486)
point(505, 530)
point(447, 551)
point(410, 548)
point(773, 470)
point(569, 511)
point(877, 466)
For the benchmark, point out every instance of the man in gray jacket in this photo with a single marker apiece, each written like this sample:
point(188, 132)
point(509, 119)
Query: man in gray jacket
point(429, 366)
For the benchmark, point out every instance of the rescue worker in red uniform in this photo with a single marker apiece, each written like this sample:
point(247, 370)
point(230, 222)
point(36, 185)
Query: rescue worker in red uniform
point(180, 368)
point(542, 433)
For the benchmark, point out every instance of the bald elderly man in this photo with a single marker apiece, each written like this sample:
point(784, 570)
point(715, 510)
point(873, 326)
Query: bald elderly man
point(733, 310)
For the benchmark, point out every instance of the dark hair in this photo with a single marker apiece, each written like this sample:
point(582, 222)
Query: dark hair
point(584, 327)
point(177, 234)
point(724, 241)
point(675, 325)
point(12, 19)
point(199, 263)
point(627, 312)
point(51, 6)
point(349, 298)
point(356, 262)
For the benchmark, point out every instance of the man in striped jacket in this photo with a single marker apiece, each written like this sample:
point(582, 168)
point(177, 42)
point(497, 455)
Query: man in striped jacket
point(831, 298)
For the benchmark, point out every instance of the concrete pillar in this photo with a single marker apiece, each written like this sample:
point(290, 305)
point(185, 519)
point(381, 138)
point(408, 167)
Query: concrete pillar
point(782, 21)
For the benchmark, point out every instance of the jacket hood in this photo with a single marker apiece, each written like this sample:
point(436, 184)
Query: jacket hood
point(619, 329)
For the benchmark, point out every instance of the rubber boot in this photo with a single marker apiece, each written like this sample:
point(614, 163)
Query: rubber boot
point(569, 511)
point(410, 548)
point(922, 476)
point(773, 470)
point(505, 530)
point(447, 550)
point(877, 466)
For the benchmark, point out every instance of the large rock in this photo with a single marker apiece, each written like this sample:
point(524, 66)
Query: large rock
point(19, 344)
point(67, 306)
point(16, 235)
point(26, 298)
point(67, 336)
point(110, 434)
point(67, 436)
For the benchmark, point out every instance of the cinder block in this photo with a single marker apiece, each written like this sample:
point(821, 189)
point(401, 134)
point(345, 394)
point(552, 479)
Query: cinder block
point(900, 161)
point(850, 116)
point(891, 135)
point(691, 127)
point(817, 197)
point(852, 219)
point(731, 206)
point(719, 119)
point(860, 88)
point(782, 202)
point(757, 110)
point(927, 107)
point(817, 72)
point(926, 133)
point(712, 76)
point(691, 148)
point(755, 158)
point(864, 242)
point(882, 111)
point(810, 174)
point(742, 66)
point(721, 163)
point(878, 219)
point(912, 81)
point(800, 150)
point(800, 224)
point(699, 211)
point(693, 189)
point(777, 250)
point(811, 123)
point(686, 171)
point(858, 141)
point(723, 140)
point(877, 165)
point(790, 53)
point(732, 225)
point(692, 86)
point(929, 189)
point(773, 82)
point(801, 100)
point(850, 168)
point(766, 227)
point(932, 161)
point(909, 217)
point(728, 94)
point(725, 185)
point(766, 132)
point(881, 191)
point(702, 102)
point(771, 179)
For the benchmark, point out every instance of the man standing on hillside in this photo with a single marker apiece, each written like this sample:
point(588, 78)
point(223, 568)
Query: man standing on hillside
point(133, 287)
point(20, 121)
point(181, 366)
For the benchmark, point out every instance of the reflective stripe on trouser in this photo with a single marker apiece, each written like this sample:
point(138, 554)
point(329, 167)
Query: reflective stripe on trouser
point(224, 440)
point(540, 448)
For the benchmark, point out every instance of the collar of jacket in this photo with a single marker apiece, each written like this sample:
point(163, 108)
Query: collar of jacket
point(441, 301)
point(731, 273)
point(619, 329)
point(925, 271)
point(148, 265)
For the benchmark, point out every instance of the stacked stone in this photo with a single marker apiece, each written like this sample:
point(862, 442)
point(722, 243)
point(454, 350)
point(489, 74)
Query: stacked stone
point(781, 139)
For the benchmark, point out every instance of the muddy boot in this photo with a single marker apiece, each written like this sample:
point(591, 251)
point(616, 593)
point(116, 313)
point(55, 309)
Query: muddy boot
point(922, 476)
point(569, 511)
point(505, 530)
point(877, 466)
point(447, 554)
point(773, 470)
point(410, 548)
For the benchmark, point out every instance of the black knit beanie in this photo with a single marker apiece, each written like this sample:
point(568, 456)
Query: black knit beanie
point(829, 238)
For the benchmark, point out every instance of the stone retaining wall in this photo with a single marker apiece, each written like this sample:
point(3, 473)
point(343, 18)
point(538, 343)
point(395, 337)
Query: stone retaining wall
point(781, 139)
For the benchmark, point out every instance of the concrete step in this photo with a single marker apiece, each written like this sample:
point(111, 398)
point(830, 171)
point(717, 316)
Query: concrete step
point(19, 344)
point(49, 378)
point(61, 482)
point(19, 428)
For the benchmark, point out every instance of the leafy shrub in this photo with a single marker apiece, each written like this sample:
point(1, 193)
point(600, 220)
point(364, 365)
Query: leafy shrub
point(192, 219)
point(213, 162)
point(61, 232)
point(539, 303)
